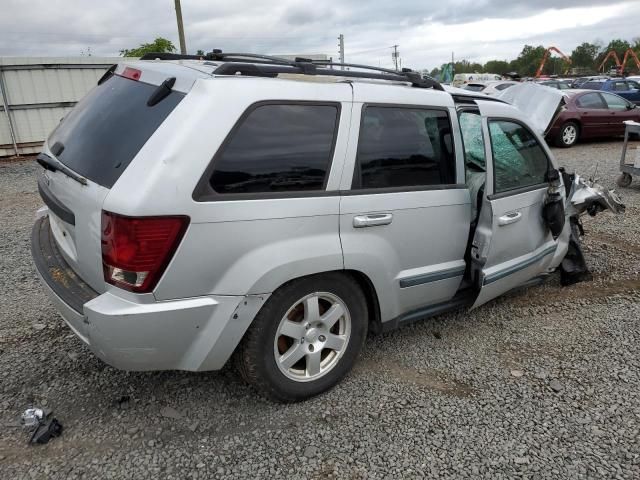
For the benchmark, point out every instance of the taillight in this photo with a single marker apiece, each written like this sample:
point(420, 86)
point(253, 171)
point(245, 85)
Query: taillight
point(137, 250)
point(131, 73)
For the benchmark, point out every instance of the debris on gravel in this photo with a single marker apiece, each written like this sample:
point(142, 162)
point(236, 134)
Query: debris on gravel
point(541, 383)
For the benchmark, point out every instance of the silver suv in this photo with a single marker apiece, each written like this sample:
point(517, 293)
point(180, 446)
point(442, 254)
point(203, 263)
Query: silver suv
point(280, 210)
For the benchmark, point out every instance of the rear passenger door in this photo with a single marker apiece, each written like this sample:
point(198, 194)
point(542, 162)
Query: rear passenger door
point(511, 244)
point(404, 212)
point(594, 114)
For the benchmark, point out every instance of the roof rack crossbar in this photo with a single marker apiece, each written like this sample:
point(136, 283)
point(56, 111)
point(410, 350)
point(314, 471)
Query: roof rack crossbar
point(255, 65)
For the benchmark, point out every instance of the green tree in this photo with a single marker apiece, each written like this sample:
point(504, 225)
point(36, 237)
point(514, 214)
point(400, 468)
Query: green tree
point(618, 45)
point(159, 45)
point(465, 66)
point(585, 55)
point(200, 52)
point(496, 66)
point(528, 61)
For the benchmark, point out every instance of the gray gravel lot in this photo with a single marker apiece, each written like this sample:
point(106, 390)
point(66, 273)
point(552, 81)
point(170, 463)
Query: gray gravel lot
point(542, 383)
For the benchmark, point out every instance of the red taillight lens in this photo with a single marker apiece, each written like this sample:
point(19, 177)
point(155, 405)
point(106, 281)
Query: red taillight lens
point(137, 250)
point(131, 73)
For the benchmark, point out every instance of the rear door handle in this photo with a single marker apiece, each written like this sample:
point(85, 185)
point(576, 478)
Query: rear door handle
point(372, 220)
point(509, 218)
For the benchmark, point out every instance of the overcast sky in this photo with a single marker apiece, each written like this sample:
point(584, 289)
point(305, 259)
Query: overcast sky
point(426, 31)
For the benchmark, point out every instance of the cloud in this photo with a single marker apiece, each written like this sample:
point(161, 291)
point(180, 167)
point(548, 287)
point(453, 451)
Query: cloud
point(427, 32)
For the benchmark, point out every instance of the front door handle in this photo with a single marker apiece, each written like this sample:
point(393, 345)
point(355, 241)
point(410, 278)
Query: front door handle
point(372, 220)
point(509, 218)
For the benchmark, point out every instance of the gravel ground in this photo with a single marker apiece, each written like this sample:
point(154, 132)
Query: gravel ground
point(542, 383)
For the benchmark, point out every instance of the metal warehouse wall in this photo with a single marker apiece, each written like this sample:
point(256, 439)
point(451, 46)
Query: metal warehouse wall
point(36, 92)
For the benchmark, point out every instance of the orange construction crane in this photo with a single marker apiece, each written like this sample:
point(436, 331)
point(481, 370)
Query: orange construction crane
point(627, 54)
point(611, 54)
point(546, 55)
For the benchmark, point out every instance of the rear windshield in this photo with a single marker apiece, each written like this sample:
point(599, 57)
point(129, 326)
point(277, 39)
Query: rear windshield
point(108, 127)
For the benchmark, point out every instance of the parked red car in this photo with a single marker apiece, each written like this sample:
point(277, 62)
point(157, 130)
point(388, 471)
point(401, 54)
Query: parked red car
point(590, 114)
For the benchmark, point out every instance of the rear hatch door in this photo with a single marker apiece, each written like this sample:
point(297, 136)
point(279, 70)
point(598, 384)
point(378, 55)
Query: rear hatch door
point(92, 147)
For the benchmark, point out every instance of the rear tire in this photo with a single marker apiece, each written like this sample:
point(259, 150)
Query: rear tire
point(306, 337)
point(568, 135)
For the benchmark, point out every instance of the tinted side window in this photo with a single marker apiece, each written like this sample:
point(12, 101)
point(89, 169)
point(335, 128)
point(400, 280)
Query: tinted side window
point(503, 86)
point(404, 147)
point(592, 85)
point(518, 158)
point(614, 102)
point(283, 147)
point(620, 87)
point(633, 85)
point(591, 100)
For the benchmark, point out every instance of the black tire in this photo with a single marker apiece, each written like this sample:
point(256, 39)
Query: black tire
point(255, 358)
point(624, 180)
point(564, 138)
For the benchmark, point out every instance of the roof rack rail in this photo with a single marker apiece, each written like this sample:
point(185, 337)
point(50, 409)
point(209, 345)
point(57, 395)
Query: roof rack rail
point(269, 66)
point(409, 75)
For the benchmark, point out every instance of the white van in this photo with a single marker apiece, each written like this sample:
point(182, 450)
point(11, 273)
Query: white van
point(461, 79)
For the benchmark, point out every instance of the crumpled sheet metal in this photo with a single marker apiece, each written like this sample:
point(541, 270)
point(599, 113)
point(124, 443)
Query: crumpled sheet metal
point(590, 197)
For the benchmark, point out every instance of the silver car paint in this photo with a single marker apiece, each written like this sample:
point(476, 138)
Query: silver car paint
point(236, 252)
point(509, 254)
point(409, 247)
point(79, 243)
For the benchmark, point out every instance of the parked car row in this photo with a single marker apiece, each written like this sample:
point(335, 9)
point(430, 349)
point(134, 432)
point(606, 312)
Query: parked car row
point(590, 114)
point(596, 110)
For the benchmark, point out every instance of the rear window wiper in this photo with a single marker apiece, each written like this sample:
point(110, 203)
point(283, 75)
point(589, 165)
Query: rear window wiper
point(55, 165)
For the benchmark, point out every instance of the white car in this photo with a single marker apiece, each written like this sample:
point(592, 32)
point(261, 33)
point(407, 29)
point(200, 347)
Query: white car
point(490, 88)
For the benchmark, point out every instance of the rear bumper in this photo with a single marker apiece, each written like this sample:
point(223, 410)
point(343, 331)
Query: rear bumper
point(136, 332)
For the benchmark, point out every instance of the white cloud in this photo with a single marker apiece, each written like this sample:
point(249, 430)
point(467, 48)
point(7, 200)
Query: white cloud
point(427, 32)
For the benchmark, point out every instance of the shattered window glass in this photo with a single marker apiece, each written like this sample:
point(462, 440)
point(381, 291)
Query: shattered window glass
point(518, 159)
point(471, 128)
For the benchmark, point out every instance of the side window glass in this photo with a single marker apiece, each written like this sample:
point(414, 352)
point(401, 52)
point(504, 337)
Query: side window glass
point(518, 159)
point(620, 87)
point(614, 102)
point(278, 148)
point(474, 153)
point(404, 147)
point(633, 85)
point(591, 100)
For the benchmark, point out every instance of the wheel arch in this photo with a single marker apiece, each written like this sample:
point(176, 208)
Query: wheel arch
point(366, 286)
point(577, 122)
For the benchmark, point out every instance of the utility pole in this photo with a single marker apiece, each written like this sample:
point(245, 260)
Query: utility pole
point(341, 49)
point(395, 56)
point(453, 68)
point(183, 46)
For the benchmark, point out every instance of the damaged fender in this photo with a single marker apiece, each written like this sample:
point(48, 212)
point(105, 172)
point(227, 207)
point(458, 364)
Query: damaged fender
point(592, 198)
point(587, 196)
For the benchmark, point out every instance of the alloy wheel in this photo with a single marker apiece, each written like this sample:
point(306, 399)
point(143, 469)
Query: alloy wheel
point(312, 336)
